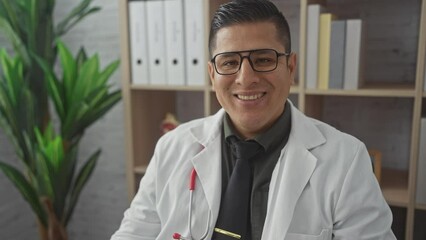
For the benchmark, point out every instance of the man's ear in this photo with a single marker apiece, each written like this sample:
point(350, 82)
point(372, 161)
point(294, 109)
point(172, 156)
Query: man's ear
point(211, 73)
point(292, 66)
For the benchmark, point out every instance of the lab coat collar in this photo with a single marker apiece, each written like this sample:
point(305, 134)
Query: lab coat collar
point(304, 131)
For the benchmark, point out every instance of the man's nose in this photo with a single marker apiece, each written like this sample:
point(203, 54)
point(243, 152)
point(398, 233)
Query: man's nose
point(246, 76)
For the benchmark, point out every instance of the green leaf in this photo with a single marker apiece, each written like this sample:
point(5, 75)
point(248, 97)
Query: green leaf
point(25, 188)
point(97, 96)
point(66, 24)
point(86, 76)
point(44, 173)
point(69, 69)
point(54, 87)
point(56, 92)
point(107, 72)
point(81, 180)
point(7, 66)
point(15, 40)
point(11, 15)
point(79, 18)
point(81, 58)
point(64, 180)
point(34, 17)
point(98, 111)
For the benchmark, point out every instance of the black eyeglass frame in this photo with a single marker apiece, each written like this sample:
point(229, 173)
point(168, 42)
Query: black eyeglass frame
point(213, 60)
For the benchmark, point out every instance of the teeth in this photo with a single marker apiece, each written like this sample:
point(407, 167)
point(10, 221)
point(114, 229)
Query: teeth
point(250, 97)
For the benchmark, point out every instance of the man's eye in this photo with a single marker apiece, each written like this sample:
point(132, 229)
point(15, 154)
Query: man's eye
point(264, 60)
point(230, 63)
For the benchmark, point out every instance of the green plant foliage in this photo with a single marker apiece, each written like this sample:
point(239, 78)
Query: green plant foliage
point(17, 121)
point(26, 189)
point(80, 96)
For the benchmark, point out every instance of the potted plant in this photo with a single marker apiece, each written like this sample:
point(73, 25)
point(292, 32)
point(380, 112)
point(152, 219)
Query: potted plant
point(49, 180)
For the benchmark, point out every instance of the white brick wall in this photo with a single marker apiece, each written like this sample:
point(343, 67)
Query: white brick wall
point(102, 202)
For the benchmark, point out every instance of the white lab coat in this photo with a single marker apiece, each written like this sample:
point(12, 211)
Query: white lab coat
point(322, 187)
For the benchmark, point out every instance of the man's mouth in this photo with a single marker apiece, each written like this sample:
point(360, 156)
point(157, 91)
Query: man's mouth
point(250, 97)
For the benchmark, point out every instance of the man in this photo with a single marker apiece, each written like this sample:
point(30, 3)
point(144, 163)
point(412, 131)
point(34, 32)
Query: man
point(305, 179)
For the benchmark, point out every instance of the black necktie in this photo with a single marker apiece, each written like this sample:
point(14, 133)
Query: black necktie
point(234, 216)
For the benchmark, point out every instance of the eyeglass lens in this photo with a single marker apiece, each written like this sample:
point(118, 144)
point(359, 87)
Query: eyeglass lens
point(260, 60)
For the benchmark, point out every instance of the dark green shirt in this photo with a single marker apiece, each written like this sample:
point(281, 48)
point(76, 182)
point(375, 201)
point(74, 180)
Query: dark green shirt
point(273, 141)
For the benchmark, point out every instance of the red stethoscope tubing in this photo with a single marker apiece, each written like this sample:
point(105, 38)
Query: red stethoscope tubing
point(178, 236)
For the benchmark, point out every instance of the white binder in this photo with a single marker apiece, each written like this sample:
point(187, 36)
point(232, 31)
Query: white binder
point(175, 54)
point(196, 64)
point(138, 43)
point(312, 45)
point(353, 54)
point(156, 42)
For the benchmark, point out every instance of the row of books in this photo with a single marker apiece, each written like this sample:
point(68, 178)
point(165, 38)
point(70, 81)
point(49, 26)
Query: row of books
point(421, 165)
point(334, 50)
point(167, 41)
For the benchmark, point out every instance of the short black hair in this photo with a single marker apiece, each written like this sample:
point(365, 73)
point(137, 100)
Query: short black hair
point(249, 11)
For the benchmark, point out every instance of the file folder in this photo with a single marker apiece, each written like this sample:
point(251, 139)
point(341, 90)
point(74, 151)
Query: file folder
point(138, 43)
point(195, 42)
point(156, 42)
point(312, 45)
point(175, 54)
point(353, 54)
point(337, 54)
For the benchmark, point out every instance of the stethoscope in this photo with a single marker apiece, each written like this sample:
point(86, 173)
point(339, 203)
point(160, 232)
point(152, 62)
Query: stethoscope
point(178, 236)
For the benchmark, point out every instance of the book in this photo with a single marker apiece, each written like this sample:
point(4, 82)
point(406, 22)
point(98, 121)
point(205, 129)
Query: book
point(312, 45)
point(421, 165)
point(324, 50)
point(337, 54)
point(353, 54)
point(138, 42)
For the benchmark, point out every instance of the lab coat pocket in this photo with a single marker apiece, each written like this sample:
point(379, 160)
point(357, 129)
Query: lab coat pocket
point(325, 235)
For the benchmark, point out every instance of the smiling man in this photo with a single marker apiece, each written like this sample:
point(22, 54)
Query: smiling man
point(252, 92)
point(259, 168)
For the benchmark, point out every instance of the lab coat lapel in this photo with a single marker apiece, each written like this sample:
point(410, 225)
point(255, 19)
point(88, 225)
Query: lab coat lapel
point(207, 162)
point(291, 175)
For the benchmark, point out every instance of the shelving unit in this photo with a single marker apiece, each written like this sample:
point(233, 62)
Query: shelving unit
point(146, 105)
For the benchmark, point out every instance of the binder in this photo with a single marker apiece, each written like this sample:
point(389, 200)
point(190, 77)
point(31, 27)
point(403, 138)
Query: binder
point(156, 42)
point(312, 45)
point(353, 54)
point(175, 64)
point(138, 43)
point(324, 50)
point(196, 64)
point(337, 54)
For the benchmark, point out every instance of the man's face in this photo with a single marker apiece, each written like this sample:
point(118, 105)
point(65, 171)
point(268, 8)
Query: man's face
point(253, 100)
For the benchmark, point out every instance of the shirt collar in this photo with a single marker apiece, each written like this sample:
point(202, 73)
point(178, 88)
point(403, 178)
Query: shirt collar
point(270, 137)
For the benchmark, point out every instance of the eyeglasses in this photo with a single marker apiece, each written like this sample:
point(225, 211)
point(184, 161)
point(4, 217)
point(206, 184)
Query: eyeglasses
point(261, 60)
